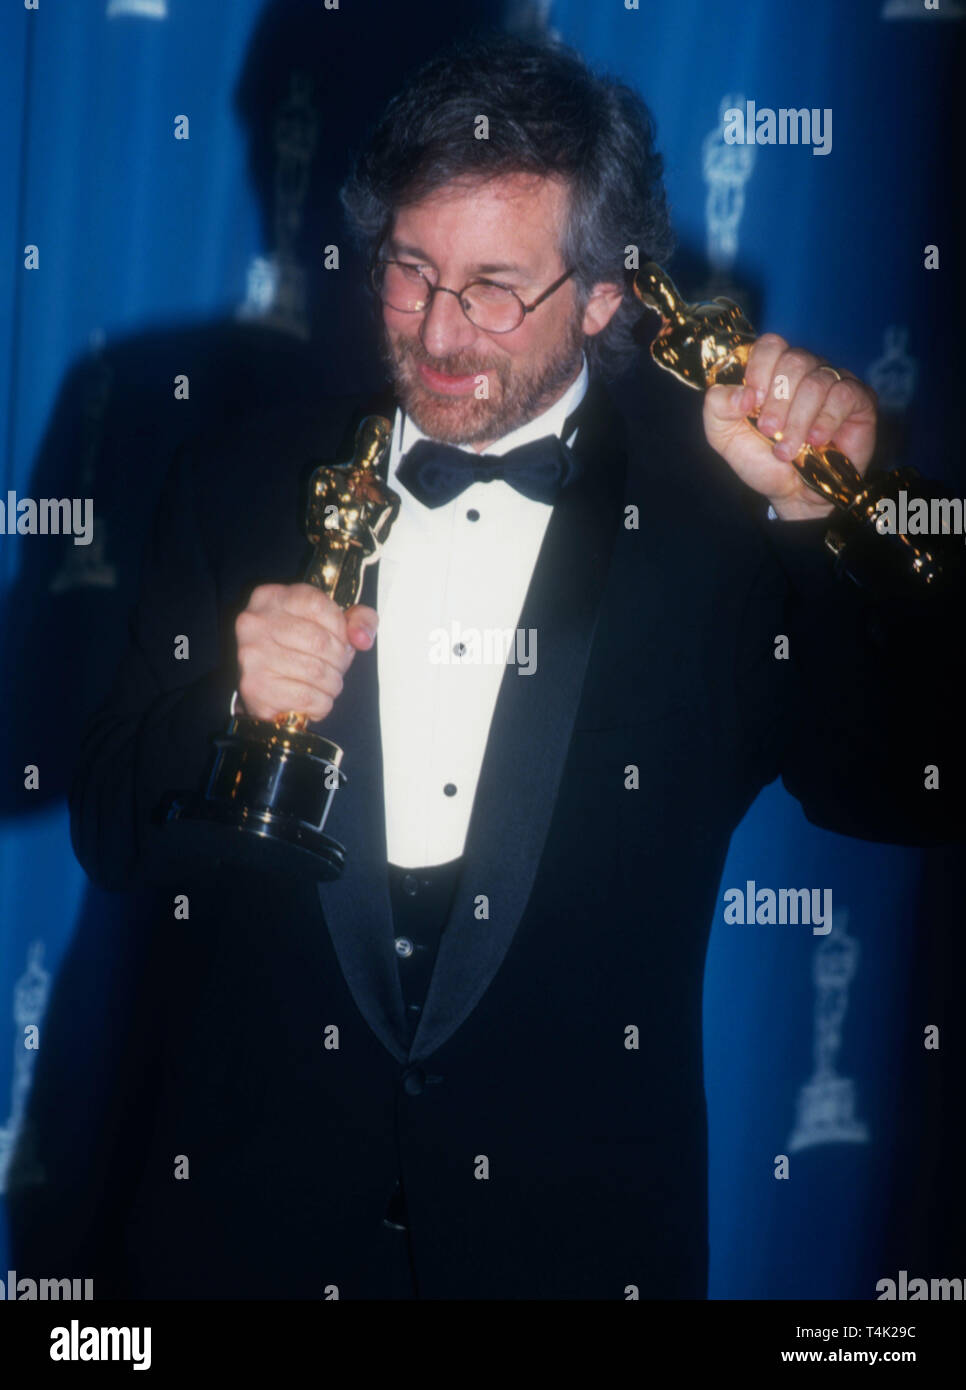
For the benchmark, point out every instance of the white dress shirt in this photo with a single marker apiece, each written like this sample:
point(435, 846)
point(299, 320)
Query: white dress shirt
point(449, 575)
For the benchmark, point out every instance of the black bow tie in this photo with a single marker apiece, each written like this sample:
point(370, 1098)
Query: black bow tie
point(436, 473)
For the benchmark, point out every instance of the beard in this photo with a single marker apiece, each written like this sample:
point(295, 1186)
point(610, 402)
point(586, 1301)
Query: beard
point(518, 390)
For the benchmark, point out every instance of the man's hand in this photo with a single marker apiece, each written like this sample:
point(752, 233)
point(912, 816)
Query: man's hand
point(294, 646)
point(801, 403)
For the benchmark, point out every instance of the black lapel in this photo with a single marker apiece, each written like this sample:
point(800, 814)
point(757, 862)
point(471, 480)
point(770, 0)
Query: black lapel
point(357, 907)
point(531, 729)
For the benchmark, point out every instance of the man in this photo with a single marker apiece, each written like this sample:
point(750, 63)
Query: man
point(471, 1067)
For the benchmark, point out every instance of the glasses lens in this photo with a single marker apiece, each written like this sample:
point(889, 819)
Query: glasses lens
point(492, 308)
point(401, 286)
point(487, 306)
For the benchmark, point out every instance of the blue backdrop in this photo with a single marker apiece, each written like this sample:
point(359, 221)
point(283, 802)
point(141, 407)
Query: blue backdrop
point(158, 256)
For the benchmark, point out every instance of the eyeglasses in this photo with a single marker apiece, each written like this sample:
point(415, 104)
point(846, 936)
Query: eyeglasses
point(492, 307)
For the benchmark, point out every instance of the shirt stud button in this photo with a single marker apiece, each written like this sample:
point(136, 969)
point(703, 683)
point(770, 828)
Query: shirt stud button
point(449, 789)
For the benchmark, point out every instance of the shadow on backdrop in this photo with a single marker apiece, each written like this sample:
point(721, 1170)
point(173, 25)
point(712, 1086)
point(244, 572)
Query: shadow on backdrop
point(302, 333)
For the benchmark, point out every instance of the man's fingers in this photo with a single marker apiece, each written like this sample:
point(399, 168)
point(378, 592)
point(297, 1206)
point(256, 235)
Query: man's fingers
point(312, 671)
point(820, 405)
point(727, 404)
point(791, 369)
point(277, 695)
point(294, 646)
point(276, 635)
point(265, 596)
point(301, 601)
point(762, 363)
point(361, 624)
point(306, 601)
point(310, 638)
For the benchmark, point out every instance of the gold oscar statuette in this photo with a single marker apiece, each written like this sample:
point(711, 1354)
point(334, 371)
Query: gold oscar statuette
point(269, 784)
point(707, 344)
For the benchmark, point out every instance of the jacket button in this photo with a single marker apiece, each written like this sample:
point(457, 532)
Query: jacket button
point(395, 1217)
point(414, 1081)
point(404, 947)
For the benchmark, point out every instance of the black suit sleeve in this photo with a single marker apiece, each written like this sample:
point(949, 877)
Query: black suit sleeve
point(869, 699)
point(151, 734)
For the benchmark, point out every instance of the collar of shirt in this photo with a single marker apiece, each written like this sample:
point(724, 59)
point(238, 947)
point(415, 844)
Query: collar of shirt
point(551, 421)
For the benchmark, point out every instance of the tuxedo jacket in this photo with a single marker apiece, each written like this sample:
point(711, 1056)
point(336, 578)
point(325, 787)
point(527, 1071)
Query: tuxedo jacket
point(547, 1124)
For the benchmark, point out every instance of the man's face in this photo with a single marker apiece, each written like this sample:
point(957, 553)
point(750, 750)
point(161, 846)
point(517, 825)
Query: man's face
point(508, 230)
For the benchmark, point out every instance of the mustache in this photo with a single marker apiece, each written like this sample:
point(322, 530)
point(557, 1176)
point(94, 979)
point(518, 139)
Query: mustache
point(457, 364)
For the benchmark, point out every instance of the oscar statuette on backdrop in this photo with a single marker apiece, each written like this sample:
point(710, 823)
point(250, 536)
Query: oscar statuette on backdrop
point(269, 784)
point(707, 344)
